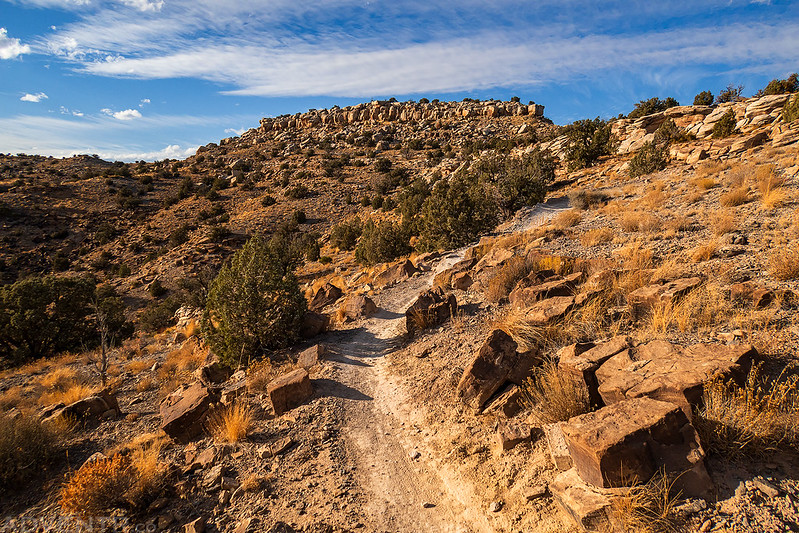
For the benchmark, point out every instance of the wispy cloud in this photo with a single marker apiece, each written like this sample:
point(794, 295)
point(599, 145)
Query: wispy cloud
point(11, 47)
point(127, 114)
point(38, 97)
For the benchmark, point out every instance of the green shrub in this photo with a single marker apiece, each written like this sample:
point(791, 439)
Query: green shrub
point(791, 110)
point(268, 200)
point(588, 141)
point(704, 98)
point(383, 165)
point(789, 85)
point(297, 192)
point(179, 235)
point(159, 314)
point(725, 125)
point(516, 181)
point(381, 242)
point(254, 305)
point(650, 158)
point(344, 236)
point(653, 105)
point(41, 316)
point(298, 217)
point(456, 212)
point(669, 132)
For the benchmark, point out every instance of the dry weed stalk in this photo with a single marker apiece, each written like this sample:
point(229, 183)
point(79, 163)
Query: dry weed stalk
point(754, 419)
point(735, 197)
point(648, 507)
point(704, 252)
point(553, 396)
point(506, 278)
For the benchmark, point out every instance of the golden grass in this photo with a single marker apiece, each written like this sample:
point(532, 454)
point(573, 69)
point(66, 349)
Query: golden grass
point(597, 236)
point(60, 378)
point(680, 223)
point(702, 308)
point(13, 397)
point(231, 423)
point(145, 384)
point(648, 507)
point(553, 396)
point(139, 365)
point(75, 392)
point(635, 256)
point(784, 264)
point(772, 193)
point(98, 486)
point(27, 445)
point(180, 363)
point(567, 219)
point(261, 372)
point(753, 420)
point(711, 167)
point(704, 252)
point(629, 221)
point(735, 197)
point(739, 174)
point(506, 278)
point(705, 184)
point(723, 222)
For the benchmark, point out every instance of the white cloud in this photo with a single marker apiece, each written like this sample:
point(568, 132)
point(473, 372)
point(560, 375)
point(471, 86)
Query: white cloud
point(235, 131)
point(73, 112)
point(10, 47)
point(144, 102)
point(144, 5)
point(38, 97)
point(127, 114)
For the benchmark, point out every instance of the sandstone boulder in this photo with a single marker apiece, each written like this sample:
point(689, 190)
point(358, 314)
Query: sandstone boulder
point(289, 390)
point(556, 443)
point(525, 295)
point(432, 307)
point(489, 369)
point(183, 412)
point(511, 434)
point(588, 506)
point(582, 360)
point(326, 295)
point(395, 273)
point(628, 442)
point(313, 324)
point(310, 357)
point(213, 373)
point(358, 306)
point(671, 373)
point(461, 281)
point(507, 403)
point(550, 310)
point(99, 406)
point(643, 299)
point(236, 386)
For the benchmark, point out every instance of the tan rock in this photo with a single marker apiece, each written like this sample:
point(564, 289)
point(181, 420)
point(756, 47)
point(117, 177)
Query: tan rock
point(326, 295)
point(550, 310)
point(556, 443)
point(289, 390)
point(312, 356)
point(628, 442)
point(581, 361)
point(432, 307)
point(489, 369)
point(183, 412)
point(588, 507)
point(358, 306)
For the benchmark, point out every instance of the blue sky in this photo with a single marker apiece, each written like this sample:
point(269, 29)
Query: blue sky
point(148, 79)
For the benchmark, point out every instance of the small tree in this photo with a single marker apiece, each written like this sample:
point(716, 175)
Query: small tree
point(730, 94)
point(777, 86)
point(725, 125)
point(588, 141)
point(254, 304)
point(653, 105)
point(704, 98)
point(790, 111)
point(381, 242)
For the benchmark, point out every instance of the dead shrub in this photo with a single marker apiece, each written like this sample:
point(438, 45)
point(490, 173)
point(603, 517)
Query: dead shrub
point(635, 256)
point(27, 446)
point(770, 185)
point(711, 167)
point(735, 197)
point(263, 371)
point(553, 396)
point(648, 507)
point(703, 307)
point(231, 423)
point(75, 392)
point(705, 184)
point(139, 365)
point(584, 199)
point(98, 486)
point(753, 420)
point(505, 279)
point(597, 236)
point(723, 222)
point(629, 221)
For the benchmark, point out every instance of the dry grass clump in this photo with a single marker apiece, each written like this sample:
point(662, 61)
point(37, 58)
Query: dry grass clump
point(784, 264)
point(648, 507)
point(629, 221)
point(735, 197)
point(680, 223)
point(13, 397)
point(596, 236)
point(753, 420)
point(567, 219)
point(703, 307)
point(705, 183)
point(770, 185)
point(139, 365)
point(75, 392)
point(180, 364)
point(129, 478)
point(27, 446)
point(704, 252)
point(585, 199)
point(231, 423)
point(506, 278)
point(263, 371)
point(553, 396)
point(723, 222)
point(711, 167)
point(635, 256)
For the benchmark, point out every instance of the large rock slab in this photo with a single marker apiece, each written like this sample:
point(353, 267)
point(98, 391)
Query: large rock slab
point(525, 296)
point(183, 412)
point(312, 356)
point(327, 294)
point(488, 371)
point(395, 273)
point(357, 306)
point(582, 360)
point(628, 442)
point(549, 310)
point(588, 506)
point(289, 390)
point(313, 324)
point(643, 299)
point(671, 373)
point(432, 307)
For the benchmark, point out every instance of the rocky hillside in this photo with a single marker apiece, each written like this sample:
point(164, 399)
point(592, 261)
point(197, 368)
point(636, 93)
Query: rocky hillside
point(620, 357)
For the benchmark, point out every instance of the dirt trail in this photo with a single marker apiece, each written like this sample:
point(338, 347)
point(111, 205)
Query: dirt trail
point(409, 488)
